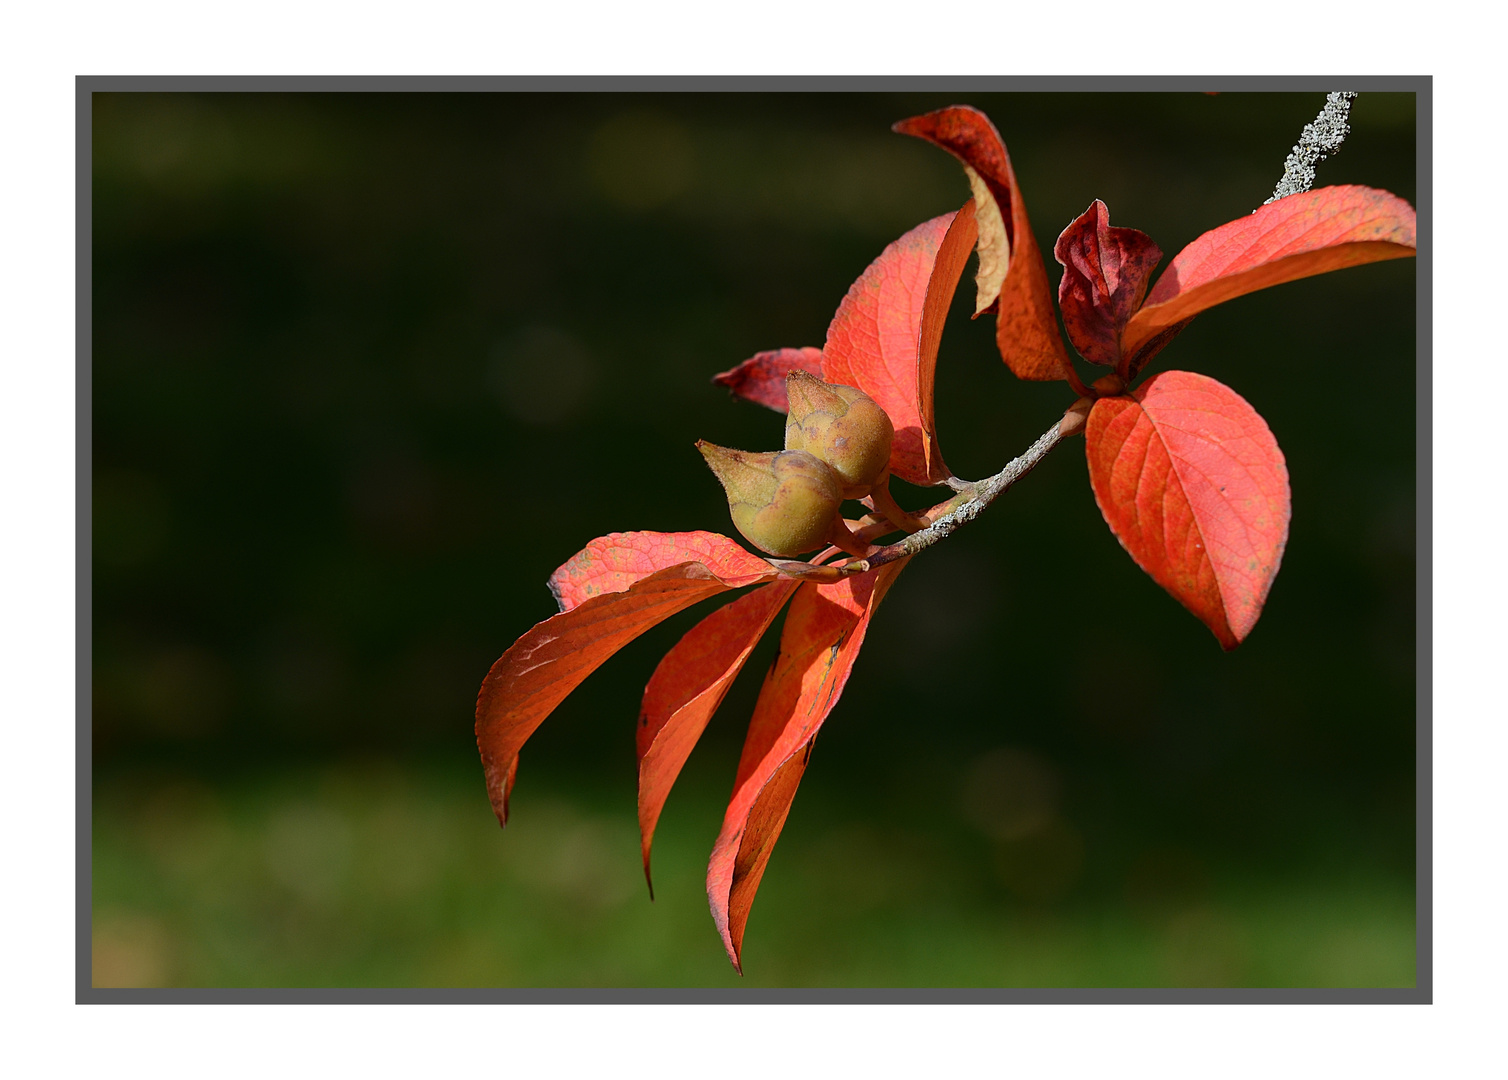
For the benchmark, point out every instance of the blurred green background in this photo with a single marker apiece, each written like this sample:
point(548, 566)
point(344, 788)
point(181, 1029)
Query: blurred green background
point(367, 367)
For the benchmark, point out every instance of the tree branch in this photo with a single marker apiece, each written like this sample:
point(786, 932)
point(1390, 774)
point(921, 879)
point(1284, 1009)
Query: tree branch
point(1319, 140)
point(985, 492)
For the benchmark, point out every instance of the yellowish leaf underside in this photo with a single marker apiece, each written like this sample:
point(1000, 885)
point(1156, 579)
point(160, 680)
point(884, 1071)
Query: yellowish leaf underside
point(994, 244)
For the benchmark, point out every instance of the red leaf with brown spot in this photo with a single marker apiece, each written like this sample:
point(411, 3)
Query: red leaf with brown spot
point(761, 378)
point(1026, 329)
point(819, 643)
point(614, 562)
point(686, 690)
point(1106, 271)
point(1310, 233)
point(541, 668)
point(1193, 484)
point(875, 343)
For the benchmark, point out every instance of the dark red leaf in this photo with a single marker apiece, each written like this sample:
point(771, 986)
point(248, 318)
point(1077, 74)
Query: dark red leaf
point(686, 690)
point(761, 378)
point(541, 668)
point(613, 562)
point(823, 633)
point(1012, 276)
point(875, 343)
point(1105, 276)
point(1310, 233)
point(1193, 484)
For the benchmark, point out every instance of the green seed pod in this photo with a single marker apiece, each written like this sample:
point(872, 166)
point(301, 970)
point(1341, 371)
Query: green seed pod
point(842, 426)
point(784, 503)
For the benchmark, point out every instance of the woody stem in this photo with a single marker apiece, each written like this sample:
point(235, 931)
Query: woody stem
point(985, 492)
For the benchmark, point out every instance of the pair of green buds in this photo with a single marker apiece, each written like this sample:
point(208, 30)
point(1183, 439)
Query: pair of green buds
point(837, 446)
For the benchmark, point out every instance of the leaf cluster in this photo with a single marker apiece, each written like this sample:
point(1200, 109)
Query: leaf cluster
point(1185, 472)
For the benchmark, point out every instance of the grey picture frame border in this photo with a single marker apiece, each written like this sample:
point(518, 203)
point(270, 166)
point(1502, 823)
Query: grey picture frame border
point(87, 85)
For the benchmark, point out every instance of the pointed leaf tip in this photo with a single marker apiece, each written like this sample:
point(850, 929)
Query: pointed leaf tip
point(823, 633)
point(1192, 483)
point(761, 378)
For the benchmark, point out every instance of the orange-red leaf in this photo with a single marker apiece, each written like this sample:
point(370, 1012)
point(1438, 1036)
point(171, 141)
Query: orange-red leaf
point(541, 668)
point(1305, 234)
point(874, 343)
point(613, 562)
point(761, 378)
point(686, 690)
point(823, 633)
point(1193, 484)
point(952, 257)
point(1026, 329)
point(1106, 272)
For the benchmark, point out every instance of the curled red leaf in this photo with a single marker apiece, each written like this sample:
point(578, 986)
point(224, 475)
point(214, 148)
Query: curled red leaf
point(1026, 330)
point(1106, 271)
point(1193, 485)
point(1310, 233)
point(686, 689)
point(761, 378)
point(819, 643)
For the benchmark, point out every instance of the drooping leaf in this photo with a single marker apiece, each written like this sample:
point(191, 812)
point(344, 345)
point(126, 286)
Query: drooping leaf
point(541, 668)
point(874, 343)
point(1192, 483)
point(1106, 271)
point(1309, 233)
point(1026, 329)
point(613, 562)
point(686, 689)
point(823, 633)
point(761, 378)
point(969, 135)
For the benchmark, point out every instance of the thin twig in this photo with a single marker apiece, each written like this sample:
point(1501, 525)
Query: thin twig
point(986, 492)
point(1319, 140)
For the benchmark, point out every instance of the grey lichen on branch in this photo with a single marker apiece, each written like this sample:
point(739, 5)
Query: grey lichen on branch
point(1320, 139)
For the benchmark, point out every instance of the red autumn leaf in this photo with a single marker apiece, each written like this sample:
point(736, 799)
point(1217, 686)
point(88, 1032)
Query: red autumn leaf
point(686, 690)
point(823, 633)
point(1298, 236)
point(1192, 483)
point(761, 378)
point(1106, 272)
point(952, 257)
point(613, 562)
point(1026, 330)
point(874, 342)
point(541, 668)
